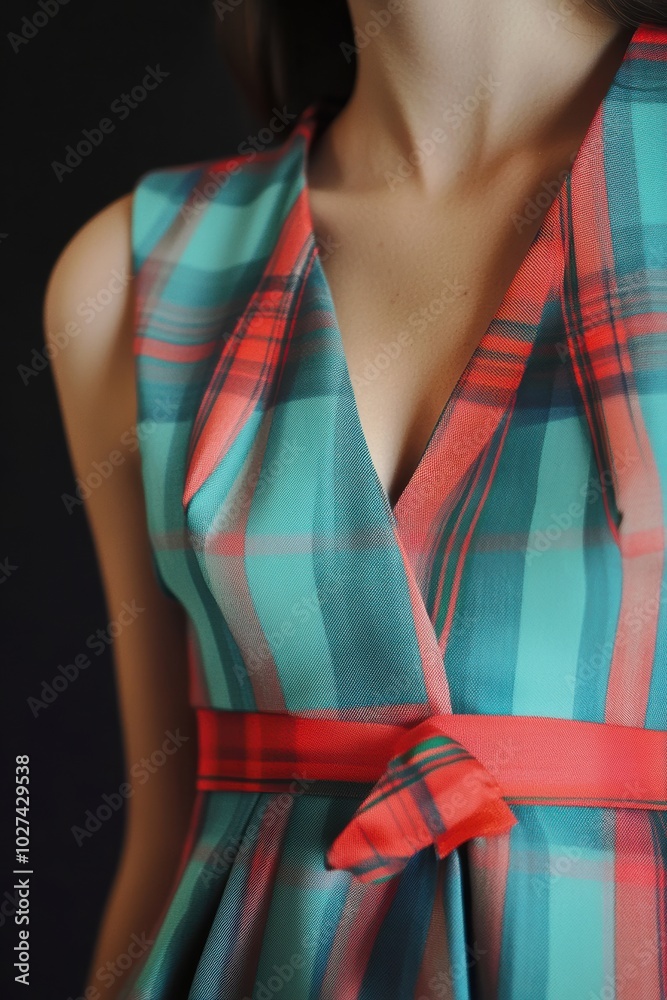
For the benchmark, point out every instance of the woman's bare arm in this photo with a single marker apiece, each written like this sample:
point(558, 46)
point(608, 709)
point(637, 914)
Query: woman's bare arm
point(95, 381)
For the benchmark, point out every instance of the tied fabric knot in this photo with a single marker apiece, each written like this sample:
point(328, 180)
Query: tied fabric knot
point(432, 792)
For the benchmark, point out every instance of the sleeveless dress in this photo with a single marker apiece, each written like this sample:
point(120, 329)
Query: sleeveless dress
point(520, 572)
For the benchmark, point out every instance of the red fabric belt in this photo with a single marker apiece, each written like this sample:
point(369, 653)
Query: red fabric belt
point(437, 782)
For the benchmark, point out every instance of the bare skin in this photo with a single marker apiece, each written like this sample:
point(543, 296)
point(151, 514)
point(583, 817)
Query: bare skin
point(400, 244)
point(95, 384)
point(449, 219)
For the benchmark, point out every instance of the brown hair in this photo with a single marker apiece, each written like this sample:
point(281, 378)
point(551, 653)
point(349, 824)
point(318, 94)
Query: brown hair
point(293, 52)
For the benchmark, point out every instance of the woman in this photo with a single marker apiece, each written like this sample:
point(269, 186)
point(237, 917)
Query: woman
point(398, 379)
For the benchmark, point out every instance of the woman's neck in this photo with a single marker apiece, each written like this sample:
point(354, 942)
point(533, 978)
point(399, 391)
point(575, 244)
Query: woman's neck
point(498, 77)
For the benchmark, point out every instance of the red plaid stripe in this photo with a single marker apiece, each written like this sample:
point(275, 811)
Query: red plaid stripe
point(440, 782)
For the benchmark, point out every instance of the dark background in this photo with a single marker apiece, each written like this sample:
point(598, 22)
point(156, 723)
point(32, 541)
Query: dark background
point(59, 82)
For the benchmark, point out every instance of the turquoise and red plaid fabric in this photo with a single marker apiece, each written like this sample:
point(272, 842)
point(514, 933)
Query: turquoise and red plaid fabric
point(437, 784)
point(520, 573)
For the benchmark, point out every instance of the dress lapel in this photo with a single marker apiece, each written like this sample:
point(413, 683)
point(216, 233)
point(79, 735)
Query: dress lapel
point(612, 311)
point(250, 360)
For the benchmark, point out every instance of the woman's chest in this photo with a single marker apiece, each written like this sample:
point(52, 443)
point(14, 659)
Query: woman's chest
point(414, 295)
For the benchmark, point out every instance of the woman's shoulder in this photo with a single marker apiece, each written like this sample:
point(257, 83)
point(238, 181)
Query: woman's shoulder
point(87, 319)
point(88, 286)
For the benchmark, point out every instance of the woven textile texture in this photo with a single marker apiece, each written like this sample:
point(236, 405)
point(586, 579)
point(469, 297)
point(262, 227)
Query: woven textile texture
point(520, 572)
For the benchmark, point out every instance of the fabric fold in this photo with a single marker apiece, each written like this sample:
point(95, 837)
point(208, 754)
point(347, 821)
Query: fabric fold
point(432, 792)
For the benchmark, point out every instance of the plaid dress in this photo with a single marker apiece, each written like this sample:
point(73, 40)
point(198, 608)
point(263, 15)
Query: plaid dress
point(520, 572)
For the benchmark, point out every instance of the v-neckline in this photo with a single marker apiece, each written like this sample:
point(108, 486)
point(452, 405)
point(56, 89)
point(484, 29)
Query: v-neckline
point(318, 114)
